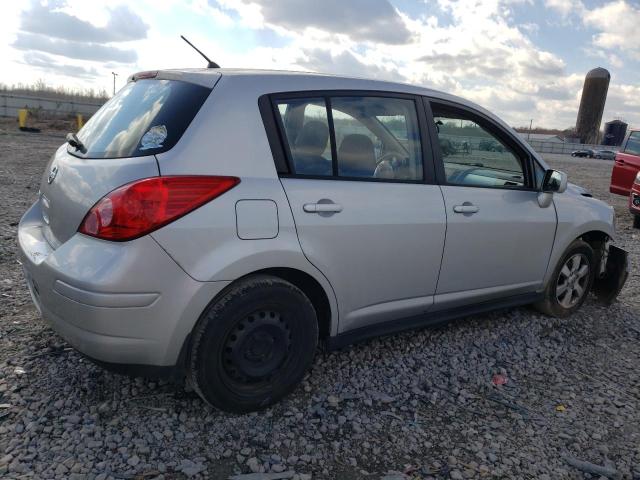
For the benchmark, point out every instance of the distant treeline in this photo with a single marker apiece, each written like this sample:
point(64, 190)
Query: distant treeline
point(462, 129)
point(41, 89)
point(567, 132)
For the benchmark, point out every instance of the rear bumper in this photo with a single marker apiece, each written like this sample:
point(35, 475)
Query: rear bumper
point(123, 303)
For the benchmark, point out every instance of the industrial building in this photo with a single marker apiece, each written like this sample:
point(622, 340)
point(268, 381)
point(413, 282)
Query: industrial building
point(614, 132)
point(541, 137)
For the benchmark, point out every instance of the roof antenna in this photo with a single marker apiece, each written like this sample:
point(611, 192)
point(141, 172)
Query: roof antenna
point(211, 64)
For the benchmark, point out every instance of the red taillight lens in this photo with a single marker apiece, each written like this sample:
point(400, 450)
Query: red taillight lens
point(143, 206)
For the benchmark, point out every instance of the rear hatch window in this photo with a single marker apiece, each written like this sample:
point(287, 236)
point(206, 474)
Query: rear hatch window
point(146, 117)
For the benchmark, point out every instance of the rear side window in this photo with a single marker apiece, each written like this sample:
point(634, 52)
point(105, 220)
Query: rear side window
point(306, 127)
point(356, 137)
point(633, 144)
point(146, 117)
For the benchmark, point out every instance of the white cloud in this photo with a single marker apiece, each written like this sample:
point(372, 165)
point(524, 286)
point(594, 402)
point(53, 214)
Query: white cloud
point(49, 28)
point(566, 8)
point(473, 48)
point(363, 20)
point(618, 25)
point(481, 55)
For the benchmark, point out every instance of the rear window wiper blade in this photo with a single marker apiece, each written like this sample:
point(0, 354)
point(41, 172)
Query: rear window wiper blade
point(74, 141)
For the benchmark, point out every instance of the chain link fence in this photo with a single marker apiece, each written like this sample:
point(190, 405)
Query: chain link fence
point(541, 146)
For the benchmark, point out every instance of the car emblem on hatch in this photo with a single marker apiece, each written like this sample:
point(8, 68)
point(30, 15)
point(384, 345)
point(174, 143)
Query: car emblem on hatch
point(52, 174)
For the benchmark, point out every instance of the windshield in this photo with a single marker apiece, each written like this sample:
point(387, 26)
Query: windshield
point(145, 117)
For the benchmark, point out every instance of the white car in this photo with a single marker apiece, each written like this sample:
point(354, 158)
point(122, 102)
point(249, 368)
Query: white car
point(220, 223)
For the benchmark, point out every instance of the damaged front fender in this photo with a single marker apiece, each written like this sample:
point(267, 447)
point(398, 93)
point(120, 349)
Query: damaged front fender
point(607, 286)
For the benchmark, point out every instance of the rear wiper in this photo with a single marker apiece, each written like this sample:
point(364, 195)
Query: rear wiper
point(74, 141)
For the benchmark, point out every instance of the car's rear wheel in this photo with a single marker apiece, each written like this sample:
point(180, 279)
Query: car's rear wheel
point(571, 281)
point(253, 345)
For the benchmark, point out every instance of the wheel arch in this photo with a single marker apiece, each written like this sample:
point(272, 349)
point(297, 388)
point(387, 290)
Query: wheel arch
point(595, 236)
point(312, 287)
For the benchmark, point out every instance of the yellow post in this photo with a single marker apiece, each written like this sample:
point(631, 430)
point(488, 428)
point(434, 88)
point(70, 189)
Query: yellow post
point(22, 117)
point(80, 120)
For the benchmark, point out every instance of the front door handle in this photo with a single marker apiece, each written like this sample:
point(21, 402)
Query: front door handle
point(465, 208)
point(322, 207)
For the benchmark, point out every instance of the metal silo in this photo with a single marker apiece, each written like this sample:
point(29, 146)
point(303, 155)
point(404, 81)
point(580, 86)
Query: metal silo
point(594, 95)
point(614, 132)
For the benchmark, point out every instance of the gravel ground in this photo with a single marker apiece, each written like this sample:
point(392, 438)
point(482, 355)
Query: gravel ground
point(415, 405)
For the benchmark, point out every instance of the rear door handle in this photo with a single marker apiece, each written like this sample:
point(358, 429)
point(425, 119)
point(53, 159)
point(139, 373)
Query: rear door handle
point(322, 207)
point(465, 208)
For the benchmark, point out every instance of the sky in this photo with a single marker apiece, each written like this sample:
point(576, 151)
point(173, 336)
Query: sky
point(522, 59)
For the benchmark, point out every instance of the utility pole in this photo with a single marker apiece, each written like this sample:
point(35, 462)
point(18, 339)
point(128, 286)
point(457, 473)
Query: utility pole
point(114, 81)
point(530, 127)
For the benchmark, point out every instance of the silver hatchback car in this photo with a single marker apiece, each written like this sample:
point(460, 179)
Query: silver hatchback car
point(217, 224)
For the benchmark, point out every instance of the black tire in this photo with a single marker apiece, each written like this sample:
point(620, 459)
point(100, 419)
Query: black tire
point(636, 221)
point(561, 297)
point(253, 345)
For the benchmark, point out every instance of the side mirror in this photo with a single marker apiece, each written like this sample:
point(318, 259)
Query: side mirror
point(554, 181)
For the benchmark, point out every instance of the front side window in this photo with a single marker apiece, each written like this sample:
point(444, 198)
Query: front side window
point(538, 173)
point(374, 137)
point(633, 144)
point(474, 156)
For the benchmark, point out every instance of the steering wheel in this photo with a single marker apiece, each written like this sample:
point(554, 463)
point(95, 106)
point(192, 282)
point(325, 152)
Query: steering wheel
point(388, 163)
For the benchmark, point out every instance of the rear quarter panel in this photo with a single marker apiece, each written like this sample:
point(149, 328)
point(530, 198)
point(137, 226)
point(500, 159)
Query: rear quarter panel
point(228, 137)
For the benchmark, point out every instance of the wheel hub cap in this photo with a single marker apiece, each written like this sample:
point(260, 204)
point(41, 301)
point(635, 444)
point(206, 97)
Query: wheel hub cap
point(572, 281)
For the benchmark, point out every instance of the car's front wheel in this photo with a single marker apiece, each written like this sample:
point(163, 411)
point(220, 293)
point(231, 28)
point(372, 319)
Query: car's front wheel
point(253, 345)
point(571, 281)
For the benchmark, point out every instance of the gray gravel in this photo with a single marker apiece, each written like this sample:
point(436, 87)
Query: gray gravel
point(415, 405)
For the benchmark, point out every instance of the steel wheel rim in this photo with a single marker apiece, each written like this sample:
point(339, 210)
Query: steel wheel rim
point(257, 348)
point(572, 282)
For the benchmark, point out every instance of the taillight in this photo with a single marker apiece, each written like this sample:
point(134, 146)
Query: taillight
point(140, 207)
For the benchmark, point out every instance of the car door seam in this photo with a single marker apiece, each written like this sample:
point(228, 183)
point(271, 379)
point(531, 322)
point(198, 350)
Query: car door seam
point(444, 242)
point(553, 244)
point(295, 227)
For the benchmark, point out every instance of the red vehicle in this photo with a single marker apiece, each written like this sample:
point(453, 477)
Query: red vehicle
point(625, 176)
